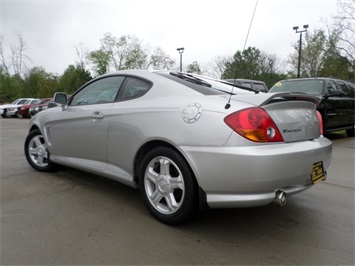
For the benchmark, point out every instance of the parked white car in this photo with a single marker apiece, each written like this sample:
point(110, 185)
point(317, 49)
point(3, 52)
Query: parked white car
point(10, 110)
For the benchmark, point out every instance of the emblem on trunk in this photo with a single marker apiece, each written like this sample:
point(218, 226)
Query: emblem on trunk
point(308, 115)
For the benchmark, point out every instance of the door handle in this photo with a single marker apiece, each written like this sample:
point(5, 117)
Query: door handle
point(97, 116)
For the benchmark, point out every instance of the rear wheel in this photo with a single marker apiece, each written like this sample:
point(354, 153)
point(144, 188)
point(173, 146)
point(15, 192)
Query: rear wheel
point(167, 186)
point(36, 152)
point(17, 115)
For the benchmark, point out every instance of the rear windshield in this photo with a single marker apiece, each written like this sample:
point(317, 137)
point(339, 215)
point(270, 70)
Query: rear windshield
point(199, 88)
point(313, 87)
point(207, 86)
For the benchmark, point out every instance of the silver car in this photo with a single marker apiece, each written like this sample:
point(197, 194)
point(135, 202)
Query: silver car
point(185, 141)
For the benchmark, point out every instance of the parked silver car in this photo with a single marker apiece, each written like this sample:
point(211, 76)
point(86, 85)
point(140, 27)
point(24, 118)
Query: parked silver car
point(184, 140)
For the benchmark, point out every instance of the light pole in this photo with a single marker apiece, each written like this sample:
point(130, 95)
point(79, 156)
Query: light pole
point(180, 50)
point(305, 27)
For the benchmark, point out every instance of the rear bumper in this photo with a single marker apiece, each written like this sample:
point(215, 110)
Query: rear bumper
point(251, 175)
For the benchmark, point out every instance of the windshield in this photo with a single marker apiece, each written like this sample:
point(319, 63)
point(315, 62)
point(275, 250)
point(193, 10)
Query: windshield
point(312, 87)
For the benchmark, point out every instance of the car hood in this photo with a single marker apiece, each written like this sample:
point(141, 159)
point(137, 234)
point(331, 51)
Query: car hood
point(10, 106)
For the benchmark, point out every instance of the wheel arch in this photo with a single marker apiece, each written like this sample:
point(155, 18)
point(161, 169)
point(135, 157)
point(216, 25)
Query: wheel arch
point(201, 195)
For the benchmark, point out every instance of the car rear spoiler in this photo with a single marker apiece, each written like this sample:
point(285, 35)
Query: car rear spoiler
point(267, 98)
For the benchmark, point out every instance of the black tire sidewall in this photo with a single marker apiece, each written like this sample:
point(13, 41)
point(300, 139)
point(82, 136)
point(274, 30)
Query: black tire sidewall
point(49, 167)
point(188, 206)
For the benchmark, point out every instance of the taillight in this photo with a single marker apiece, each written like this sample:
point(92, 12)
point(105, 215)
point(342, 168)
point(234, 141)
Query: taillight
point(254, 124)
point(319, 116)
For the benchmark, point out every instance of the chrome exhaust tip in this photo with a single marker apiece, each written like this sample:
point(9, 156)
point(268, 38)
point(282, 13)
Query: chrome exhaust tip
point(280, 198)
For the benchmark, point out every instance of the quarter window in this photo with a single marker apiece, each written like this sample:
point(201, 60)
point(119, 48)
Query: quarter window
point(134, 88)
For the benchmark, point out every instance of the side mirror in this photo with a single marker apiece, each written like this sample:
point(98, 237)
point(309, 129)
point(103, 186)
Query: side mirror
point(60, 98)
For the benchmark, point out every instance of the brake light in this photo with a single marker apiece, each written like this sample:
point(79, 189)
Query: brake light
point(319, 116)
point(254, 124)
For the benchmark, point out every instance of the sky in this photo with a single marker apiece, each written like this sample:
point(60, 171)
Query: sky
point(206, 29)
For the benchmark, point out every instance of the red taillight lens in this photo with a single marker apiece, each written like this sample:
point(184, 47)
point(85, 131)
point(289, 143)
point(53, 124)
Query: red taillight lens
point(254, 124)
point(319, 116)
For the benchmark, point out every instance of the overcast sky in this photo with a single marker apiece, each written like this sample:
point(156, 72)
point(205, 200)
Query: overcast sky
point(205, 28)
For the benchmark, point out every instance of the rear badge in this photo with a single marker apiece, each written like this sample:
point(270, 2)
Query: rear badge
point(308, 116)
point(192, 113)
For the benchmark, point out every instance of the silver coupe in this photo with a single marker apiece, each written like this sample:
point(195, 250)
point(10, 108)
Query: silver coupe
point(186, 141)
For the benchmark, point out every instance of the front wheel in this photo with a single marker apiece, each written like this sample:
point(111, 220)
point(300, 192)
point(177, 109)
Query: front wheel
point(36, 152)
point(168, 186)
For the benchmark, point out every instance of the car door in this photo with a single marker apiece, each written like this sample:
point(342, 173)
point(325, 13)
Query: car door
point(335, 106)
point(347, 103)
point(124, 136)
point(78, 133)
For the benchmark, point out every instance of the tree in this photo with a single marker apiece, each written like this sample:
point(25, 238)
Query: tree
point(218, 65)
point(4, 64)
point(314, 49)
point(73, 78)
point(82, 55)
point(193, 68)
point(344, 25)
point(101, 61)
point(125, 52)
point(158, 59)
point(40, 84)
point(245, 64)
point(18, 56)
point(342, 43)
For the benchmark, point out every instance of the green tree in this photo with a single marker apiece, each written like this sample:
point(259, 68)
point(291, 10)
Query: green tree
point(254, 64)
point(40, 84)
point(245, 64)
point(313, 52)
point(73, 78)
point(100, 60)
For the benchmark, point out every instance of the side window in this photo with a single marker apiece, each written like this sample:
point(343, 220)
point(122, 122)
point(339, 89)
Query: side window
point(134, 88)
point(331, 86)
point(352, 89)
point(343, 88)
point(100, 91)
point(246, 84)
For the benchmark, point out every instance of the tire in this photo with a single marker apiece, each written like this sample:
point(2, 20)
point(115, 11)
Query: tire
point(351, 132)
point(36, 152)
point(168, 186)
point(17, 115)
point(4, 115)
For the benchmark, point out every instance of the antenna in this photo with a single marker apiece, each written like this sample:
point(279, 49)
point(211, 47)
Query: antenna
point(229, 100)
point(251, 22)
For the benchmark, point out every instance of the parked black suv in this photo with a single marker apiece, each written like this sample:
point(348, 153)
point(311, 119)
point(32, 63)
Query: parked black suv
point(337, 102)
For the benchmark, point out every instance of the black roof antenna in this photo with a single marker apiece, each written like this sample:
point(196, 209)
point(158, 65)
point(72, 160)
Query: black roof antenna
point(229, 100)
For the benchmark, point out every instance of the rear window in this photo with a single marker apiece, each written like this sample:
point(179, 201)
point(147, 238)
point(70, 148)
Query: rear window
point(313, 87)
point(199, 88)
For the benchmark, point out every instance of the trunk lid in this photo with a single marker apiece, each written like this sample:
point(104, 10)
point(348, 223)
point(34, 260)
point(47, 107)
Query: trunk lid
point(294, 114)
